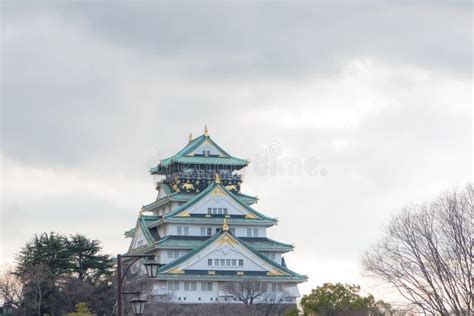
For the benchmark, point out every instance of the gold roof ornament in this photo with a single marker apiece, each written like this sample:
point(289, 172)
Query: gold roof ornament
point(225, 227)
point(218, 178)
point(190, 136)
point(206, 131)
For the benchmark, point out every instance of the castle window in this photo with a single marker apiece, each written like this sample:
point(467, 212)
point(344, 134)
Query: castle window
point(216, 262)
point(209, 211)
point(209, 231)
point(234, 262)
point(179, 230)
point(173, 253)
point(173, 285)
point(222, 262)
point(249, 232)
point(225, 211)
point(190, 285)
point(203, 231)
point(241, 262)
point(255, 232)
point(227, 262)
point(219, 211)
point(277, 287)
point(186, 231)
point(209, 262)
point(206, 286)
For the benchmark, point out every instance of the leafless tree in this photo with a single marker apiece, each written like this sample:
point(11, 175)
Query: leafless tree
point(11, 288)
point(38, 279)
point(271, 303)
point(427, 254)
point(246, 291)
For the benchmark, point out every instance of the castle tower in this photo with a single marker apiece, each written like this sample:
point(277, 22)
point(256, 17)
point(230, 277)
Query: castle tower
point(206, 233)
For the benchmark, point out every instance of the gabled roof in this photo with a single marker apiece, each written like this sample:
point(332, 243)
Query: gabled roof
point(186, 156)
point(208, 190)
point(142, 224)
point(193, 242)
point(278, 269)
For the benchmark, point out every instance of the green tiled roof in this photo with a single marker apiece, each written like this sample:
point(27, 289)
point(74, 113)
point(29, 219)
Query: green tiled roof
point(184, 157)
point(227, 277)
point(143, 222)
point(192, 242)
point(215, 220)
point(206, 191)
point(203, 245)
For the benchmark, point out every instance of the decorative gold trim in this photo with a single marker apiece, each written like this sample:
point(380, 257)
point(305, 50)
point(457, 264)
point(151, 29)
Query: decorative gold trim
point(250, 215)
point(211, 272)
point(206, 131)
point(176, 270)
point(231, 187)
point(240, 272)
point(217, 191)
point(184, 213)
point(190, 137)
point(226, 239)
point(275, 272)
point(218, 178)
point(225, 227)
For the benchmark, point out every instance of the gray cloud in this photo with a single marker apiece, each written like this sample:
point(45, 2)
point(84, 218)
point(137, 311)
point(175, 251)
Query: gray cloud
point(95, 92)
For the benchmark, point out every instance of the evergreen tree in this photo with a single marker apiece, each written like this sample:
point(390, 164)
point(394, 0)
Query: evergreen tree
point(46, 249)
point(76, 272)
point(85, 260)
point(341, 299)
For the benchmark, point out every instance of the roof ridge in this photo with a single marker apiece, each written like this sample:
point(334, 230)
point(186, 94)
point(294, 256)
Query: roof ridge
point(190, 146)
point(193, 200)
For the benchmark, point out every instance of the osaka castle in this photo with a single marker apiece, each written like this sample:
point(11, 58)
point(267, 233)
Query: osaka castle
point(206, 234)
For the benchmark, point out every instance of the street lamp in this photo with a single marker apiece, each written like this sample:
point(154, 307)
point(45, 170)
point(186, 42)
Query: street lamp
point(7, 308)
point(138, 306)
point(151, 267)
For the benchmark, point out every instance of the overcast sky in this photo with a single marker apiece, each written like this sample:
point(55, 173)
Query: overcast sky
point(95, 93)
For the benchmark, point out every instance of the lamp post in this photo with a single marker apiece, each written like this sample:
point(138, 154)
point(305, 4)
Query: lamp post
point(138, 306)
point(7, 308)
point(151, 266)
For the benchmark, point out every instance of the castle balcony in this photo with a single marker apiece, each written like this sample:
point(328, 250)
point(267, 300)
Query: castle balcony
point(202, 176)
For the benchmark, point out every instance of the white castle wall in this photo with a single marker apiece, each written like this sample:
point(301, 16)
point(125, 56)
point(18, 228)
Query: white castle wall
point(195, 230)
point(287, 292)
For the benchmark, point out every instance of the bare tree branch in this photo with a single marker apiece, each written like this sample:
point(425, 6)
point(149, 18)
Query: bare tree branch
point(427, 254)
